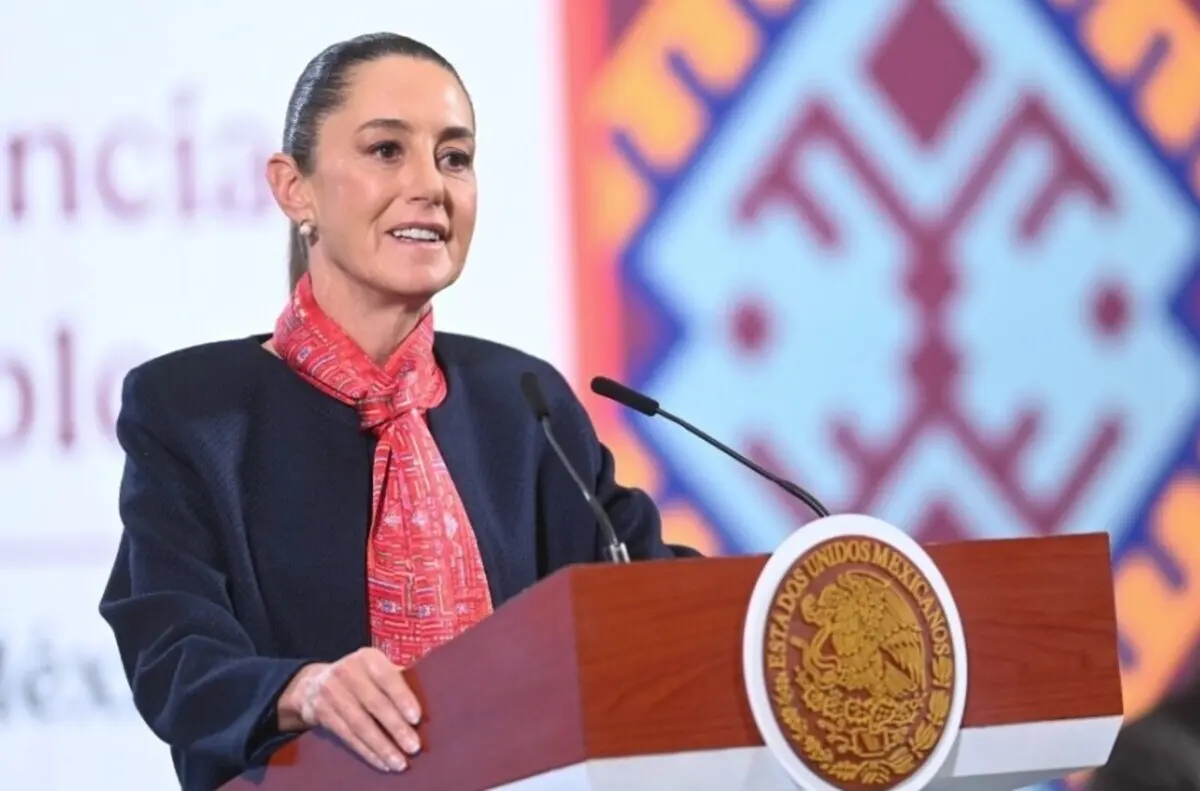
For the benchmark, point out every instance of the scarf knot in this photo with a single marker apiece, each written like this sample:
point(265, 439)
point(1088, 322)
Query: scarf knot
point(417, 387)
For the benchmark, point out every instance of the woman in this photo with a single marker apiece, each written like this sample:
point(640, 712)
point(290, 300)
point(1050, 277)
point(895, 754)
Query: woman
point(307, 514)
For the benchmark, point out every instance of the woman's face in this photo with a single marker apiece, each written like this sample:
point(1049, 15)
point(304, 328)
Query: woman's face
point(393, 193)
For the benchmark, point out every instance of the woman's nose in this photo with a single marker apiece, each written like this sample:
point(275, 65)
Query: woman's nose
point(423, 180)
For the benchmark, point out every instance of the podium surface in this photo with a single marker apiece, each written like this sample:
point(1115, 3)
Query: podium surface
point(632, 677)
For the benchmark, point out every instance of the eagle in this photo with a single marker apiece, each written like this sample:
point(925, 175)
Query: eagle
point(868, 638)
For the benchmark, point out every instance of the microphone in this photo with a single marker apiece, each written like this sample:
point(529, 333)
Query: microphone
point(627, 396)
point(615, 550)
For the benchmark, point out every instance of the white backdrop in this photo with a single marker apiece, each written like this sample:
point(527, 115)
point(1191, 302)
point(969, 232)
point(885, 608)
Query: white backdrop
point(134, 219)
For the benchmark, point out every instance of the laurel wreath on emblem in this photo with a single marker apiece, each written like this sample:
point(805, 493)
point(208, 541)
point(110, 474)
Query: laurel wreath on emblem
point(861, 679)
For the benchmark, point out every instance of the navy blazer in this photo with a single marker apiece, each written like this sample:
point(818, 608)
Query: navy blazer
point(245, 501)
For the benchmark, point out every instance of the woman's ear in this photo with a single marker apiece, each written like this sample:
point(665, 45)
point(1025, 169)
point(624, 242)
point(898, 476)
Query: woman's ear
point(289, 187)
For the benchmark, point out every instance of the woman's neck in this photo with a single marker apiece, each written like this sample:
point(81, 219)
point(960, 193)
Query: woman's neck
point(374, 322)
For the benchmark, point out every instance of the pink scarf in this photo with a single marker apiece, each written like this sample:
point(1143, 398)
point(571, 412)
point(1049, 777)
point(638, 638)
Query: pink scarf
point(425, 579)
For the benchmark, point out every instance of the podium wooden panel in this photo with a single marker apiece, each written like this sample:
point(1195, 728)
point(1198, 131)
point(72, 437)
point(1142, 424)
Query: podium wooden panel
point(603, 661)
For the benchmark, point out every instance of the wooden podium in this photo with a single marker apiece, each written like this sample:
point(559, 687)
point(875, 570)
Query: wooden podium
point(631, 677)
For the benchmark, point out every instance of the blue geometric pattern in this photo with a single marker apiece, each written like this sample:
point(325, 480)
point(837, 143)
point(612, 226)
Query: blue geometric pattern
point(842, 326)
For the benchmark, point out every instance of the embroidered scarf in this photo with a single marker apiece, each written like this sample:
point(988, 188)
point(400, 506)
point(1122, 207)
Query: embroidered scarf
point(425, 579)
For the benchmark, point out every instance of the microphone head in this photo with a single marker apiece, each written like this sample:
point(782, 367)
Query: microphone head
point(607, 388)
point(534, 395)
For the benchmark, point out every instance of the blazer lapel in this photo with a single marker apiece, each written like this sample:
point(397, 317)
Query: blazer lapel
point(453, 425)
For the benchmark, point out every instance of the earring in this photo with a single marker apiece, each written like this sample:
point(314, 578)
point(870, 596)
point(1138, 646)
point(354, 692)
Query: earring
point(308, 231)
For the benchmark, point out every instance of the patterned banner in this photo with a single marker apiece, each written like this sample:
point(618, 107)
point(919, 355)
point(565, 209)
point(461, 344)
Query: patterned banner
point(938, 262)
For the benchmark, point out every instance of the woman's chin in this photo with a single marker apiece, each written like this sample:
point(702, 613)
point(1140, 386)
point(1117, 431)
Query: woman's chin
point(418, 272)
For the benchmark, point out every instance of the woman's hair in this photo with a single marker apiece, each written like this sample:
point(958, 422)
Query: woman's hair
point(321, 90)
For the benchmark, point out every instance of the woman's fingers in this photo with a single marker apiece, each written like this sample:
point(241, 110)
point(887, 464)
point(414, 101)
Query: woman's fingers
point(346, 732)
point(351, 711)
point(364, 699)
point(391, 680)
point(378, 702)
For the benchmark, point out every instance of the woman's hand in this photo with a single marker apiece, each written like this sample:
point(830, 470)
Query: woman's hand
point(362, 698)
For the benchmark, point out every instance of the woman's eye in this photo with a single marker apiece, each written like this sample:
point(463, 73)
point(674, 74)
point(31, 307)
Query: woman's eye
point(457, 160)
point(386, 150)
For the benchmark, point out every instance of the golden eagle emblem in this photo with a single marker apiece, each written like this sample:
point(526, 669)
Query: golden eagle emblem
point(860, 663)
point(868, 638)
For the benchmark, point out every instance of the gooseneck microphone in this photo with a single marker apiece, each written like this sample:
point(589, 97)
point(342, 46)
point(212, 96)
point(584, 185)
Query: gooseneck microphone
point(614, 551)
point(627, 396)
